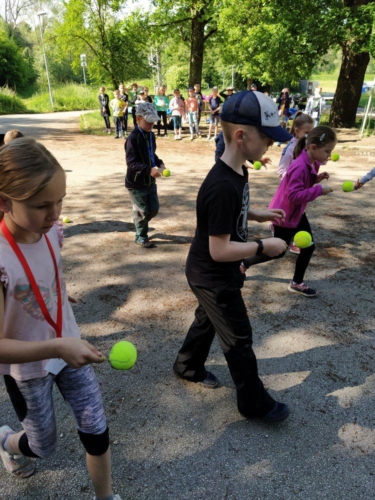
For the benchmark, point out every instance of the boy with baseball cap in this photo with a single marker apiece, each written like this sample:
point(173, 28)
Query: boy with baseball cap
point(143, 168)
point(250, 124)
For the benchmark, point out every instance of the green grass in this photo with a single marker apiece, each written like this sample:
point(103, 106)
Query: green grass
point(10, 103)
point(92, 123)
point(328, 81)
point(67, 97)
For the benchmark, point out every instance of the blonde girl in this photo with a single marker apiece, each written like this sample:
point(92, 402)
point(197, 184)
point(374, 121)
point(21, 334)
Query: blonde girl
point(37, 325)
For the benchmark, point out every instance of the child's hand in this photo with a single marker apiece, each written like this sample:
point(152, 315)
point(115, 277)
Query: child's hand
point(326, 190)
point(358, 185)
point(78, 352)
point(154, 172)
point(72, 299)
point(322, 176)
point(274, 247)
point(265, 160)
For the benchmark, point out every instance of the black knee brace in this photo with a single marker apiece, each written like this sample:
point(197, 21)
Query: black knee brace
point(95, 444)
point(23, 445)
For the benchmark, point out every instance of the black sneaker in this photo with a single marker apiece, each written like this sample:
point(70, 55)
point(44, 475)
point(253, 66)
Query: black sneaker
point(145, 244)
point(210, 382)
point(278, 413)
point(302, 289)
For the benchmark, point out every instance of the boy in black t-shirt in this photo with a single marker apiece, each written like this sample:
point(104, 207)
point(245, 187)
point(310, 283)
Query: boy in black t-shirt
point(250, 124)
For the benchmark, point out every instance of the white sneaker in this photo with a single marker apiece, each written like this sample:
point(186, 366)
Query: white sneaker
point(18, 465)
point(176, 137)
point(115, 497)
point(192, 138)
point(208, 138)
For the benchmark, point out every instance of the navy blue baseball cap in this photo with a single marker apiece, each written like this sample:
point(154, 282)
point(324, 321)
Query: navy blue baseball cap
point(254, 108)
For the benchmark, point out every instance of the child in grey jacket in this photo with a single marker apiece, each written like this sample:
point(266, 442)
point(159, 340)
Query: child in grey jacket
point(370, 175)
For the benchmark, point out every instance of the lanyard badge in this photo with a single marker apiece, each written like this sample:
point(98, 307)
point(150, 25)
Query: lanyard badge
point(57, 326)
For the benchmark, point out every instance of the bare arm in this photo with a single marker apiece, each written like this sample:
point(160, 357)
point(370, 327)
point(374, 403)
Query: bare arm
point(75, 352)
point(224, 250)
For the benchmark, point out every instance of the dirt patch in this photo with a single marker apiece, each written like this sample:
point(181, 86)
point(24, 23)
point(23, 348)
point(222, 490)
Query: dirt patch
point(177, 441)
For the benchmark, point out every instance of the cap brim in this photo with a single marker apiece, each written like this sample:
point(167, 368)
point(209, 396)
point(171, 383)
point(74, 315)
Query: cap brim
point(278, 134)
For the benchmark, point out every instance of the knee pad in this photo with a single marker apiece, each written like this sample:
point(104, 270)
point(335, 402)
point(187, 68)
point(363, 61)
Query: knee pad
point(95, 444)
point(24, 447)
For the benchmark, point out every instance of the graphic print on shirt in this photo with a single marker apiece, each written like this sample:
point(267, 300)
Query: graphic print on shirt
point(242, 219)
point(23, 293)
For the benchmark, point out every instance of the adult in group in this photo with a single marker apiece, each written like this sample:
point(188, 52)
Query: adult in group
point(125, 98)
point(198, 95)
point(104, 109)
point(161, 102)
point(229, 92)
point(133, 96)
point(315, 106)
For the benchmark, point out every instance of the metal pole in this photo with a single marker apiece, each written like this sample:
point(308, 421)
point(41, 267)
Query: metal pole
point(45, 57)
point(368, 107)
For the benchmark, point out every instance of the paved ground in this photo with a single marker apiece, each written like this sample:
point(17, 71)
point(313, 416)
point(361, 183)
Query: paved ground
point(174, 441)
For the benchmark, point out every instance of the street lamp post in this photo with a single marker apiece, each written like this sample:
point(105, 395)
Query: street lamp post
point(40, 14)
point(84, 65)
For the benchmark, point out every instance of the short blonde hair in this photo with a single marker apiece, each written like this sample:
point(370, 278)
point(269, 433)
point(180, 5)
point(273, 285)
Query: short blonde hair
point(26, 167)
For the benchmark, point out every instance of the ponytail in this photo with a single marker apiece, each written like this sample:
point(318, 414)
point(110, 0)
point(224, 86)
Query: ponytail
point(320, 136)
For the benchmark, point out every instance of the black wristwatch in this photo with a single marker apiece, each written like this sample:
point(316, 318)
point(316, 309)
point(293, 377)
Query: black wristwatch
point(259, 252)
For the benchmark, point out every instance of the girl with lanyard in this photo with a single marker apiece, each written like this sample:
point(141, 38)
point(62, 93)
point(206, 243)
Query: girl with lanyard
point(39, 337)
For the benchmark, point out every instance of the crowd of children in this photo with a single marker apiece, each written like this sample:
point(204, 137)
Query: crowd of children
point(32, 188)
point(177, 108)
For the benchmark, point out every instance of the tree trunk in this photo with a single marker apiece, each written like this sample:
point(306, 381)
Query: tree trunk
point(197, 48)
point(349, 88)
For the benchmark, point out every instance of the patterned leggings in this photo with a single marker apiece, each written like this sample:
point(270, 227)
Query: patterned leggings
point(32, 401)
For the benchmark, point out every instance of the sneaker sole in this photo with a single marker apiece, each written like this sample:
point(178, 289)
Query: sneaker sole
point(301, 293)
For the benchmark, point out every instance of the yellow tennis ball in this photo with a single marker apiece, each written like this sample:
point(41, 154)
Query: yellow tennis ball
point(123, 355)
point(166, 172)
point(302, 239)
point(257, 165)
point(335, 157)
point(66, 220)
point(347, 186)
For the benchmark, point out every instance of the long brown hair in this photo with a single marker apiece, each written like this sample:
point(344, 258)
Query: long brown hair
point(299, 120)
point(321, 136)
point(26, 167)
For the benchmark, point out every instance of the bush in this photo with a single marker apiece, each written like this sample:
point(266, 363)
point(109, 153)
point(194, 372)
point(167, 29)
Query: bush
point(10, 103)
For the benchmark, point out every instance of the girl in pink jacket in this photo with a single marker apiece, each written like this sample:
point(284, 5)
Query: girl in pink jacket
point(301, 185)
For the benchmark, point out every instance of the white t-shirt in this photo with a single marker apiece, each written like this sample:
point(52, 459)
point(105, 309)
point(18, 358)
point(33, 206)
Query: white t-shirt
point(23, 318)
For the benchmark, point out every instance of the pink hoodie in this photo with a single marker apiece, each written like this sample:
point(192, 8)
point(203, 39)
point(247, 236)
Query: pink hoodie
point(297, 189)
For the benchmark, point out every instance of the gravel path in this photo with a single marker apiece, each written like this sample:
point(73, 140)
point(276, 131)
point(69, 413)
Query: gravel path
point(175, 441)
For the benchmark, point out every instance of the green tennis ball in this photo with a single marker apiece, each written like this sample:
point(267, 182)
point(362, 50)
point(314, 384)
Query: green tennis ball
point(302, 239)
point(166, 172)
point(347, 186)
point(257, 165)
point(335, 157)
point(123, 355)
point(66, 220)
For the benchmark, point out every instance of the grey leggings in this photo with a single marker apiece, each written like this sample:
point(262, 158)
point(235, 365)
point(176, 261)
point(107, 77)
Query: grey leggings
point(32, 401)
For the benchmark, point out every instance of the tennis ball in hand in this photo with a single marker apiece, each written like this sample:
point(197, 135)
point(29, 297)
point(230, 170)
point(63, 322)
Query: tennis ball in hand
point(257, 165)
point(347, 186)
point(66, 220)
point(166, 172)
point(302, 239)
point(335, 157)
point(123, 355)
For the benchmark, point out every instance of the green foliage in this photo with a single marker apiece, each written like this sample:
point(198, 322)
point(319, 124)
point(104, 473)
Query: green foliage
point(16, 68)
point(115, 49)
point(177, 76)
point(10, 103)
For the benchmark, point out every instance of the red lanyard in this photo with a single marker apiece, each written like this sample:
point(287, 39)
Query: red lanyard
point(12, 242)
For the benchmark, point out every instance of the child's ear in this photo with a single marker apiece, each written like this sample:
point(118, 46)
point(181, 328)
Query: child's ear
point(4, 204)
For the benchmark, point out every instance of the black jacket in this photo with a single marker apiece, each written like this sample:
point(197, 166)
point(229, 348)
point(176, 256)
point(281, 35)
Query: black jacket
point(138, 159)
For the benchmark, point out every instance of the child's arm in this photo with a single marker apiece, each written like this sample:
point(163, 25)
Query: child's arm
point(370, 175)
point(133, 158)
point(224, 250)
point(75, 352)
point(285, 160)
point(298, 193)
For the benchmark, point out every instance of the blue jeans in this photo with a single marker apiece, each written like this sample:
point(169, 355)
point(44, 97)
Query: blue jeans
point(145, 207)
